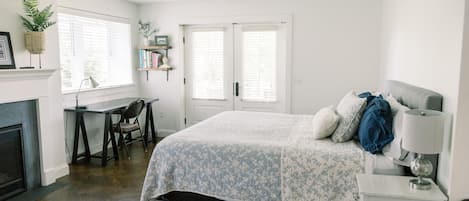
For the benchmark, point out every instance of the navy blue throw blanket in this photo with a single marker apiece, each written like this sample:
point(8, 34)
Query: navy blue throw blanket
point(375, 130)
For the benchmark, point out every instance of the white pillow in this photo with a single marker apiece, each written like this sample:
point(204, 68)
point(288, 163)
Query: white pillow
point(394, 104)
point(394, 149)
point(325, 122)
point(350, 110)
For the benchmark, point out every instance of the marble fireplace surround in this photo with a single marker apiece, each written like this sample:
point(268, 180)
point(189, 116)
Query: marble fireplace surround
point(33, 84)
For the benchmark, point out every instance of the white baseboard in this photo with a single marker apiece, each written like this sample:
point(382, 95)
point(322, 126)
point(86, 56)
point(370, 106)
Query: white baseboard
point(165, 132)
point(52, 174)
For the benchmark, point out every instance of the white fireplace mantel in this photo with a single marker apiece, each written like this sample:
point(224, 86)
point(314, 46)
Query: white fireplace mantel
point(36, 84)
point(15, 74)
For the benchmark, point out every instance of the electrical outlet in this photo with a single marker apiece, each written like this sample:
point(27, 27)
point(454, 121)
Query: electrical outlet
point(161, 115)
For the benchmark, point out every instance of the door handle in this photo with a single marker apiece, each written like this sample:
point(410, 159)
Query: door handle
point(237, 89)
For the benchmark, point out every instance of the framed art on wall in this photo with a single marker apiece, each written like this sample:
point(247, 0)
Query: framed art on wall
point(161, 40)
point(7, 60)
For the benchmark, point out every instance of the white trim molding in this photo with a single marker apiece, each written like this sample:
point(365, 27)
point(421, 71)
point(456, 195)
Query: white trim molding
point(15, 74)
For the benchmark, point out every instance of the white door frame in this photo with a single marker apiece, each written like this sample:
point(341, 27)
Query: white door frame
point(284, 19)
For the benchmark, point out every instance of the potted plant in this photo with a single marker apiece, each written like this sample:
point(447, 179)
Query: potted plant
point(36, 22)
point(145, 29)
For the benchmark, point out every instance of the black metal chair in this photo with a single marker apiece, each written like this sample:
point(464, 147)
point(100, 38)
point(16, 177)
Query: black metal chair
point(125, 128)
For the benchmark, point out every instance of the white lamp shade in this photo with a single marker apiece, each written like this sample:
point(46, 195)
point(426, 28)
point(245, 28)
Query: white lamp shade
point(423, 131)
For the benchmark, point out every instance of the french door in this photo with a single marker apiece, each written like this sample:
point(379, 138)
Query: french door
point(234, 67)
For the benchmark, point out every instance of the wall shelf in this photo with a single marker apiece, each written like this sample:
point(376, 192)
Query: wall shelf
point(154, 69)
point(157, 49)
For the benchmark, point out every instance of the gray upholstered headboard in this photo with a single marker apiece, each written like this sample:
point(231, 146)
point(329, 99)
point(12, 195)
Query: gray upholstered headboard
point(416, 98)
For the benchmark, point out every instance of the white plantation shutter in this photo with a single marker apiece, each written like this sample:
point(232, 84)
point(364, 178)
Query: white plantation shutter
point(259, 65)
point(208, 64)
point(94, 47)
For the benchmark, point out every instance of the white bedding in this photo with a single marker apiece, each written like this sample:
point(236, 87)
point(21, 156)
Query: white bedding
point(254, 156)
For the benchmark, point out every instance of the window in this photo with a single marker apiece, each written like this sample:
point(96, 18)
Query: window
point(94, 47)
point(259, 65)
point(208, 64)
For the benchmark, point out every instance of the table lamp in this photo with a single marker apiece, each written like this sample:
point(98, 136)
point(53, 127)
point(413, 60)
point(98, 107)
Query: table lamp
point(422, 134)
point(93, 83)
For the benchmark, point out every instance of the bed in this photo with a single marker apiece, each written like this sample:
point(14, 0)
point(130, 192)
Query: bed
point(267, 156)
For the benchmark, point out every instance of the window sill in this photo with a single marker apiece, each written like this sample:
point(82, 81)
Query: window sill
point(73, 91)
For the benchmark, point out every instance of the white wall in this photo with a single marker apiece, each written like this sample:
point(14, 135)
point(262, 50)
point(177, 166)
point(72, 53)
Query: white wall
point(335, 48)
point(459, 163)
point(10, 22)
point(421, 45)
point(95, 122)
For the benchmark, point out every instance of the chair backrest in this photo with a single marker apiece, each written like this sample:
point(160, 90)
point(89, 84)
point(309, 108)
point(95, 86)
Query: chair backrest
point(133, 110)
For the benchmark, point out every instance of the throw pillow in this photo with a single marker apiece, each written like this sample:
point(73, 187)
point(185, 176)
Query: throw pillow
point(325, 122)
point(350, 110)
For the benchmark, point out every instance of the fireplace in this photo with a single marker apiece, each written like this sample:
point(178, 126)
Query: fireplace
point(20, 167)
point(12, 180)
point(30, 97)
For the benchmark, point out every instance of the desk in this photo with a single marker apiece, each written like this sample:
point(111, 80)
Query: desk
point(108, 108)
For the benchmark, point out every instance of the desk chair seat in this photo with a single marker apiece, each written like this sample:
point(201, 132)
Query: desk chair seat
point(124, 127)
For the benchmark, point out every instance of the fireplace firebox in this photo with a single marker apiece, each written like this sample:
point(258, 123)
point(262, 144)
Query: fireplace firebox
point(12, 175)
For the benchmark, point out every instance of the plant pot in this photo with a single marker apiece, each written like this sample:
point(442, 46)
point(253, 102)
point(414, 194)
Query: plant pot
point(145, 42)
point(35, 42)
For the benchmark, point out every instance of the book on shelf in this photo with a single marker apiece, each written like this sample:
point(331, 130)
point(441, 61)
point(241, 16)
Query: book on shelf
point(149, 59)
point(155, 58)
point(141, 59)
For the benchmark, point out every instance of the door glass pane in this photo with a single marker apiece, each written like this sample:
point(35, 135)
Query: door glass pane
point(259, 65)
point(207, 64)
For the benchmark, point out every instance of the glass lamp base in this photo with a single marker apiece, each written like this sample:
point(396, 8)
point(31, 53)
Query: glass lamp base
point(420, 167)
point(420, 184)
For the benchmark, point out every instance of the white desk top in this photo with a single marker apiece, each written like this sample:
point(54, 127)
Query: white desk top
point(395, 187)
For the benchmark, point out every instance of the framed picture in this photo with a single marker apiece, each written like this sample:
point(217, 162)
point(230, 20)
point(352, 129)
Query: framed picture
point(7, 60)
point(161, 41)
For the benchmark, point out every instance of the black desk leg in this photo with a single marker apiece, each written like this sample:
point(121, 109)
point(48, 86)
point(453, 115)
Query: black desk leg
point(85, 137)
point(113, 140)
point(152, 125)
point(105, 139)
point(76, 137)
point(147, 121)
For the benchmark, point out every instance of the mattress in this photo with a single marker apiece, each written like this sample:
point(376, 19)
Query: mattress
point(254, 156)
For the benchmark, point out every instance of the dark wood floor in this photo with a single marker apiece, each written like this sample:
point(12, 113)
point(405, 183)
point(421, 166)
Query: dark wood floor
point(120, 180)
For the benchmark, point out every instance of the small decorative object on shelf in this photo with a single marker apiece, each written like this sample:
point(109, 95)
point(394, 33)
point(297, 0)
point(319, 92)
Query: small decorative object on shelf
point(154, 58)
point(166, 67)
point(36, 22)
point(161, 41)
point(7, 60)
point(145, 29)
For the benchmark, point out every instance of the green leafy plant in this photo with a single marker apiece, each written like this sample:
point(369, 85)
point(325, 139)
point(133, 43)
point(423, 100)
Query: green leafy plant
point(36, 20)
point(145, 29)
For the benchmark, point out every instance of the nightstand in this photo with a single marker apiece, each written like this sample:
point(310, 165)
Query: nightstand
point(394, 188)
